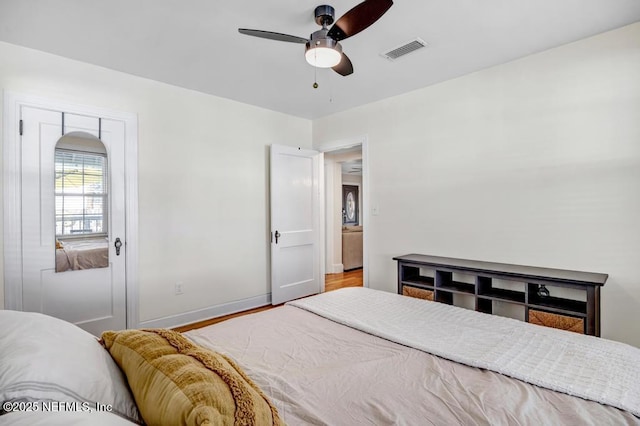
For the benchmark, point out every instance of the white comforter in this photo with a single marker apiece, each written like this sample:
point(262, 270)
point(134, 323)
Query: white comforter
point(585, 366)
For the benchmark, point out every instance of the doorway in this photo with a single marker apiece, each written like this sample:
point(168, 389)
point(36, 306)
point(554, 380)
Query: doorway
point(71, 212)
point(345, 230)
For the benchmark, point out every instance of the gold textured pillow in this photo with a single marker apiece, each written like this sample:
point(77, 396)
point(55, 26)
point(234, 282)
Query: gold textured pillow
point(176, 382)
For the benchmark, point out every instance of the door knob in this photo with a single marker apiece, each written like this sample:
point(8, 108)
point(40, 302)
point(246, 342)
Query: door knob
point(117, 245)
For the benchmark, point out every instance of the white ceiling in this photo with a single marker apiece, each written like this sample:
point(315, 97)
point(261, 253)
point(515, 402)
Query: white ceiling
point(195, 44)
point(353, 168)
point(350, 159)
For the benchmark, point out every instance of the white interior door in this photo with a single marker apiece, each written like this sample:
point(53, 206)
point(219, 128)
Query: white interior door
point(295, 222)
point(94, 299)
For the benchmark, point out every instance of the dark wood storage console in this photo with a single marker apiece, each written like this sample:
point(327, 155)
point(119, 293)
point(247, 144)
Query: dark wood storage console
point(432, 277)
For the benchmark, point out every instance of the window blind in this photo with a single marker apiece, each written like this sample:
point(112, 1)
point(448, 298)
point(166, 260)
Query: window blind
point(81, 193)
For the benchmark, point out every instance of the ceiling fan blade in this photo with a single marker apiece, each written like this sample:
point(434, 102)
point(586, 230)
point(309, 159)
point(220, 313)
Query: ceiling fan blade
point(272, 36)
point(345, 67)
point(359, 18)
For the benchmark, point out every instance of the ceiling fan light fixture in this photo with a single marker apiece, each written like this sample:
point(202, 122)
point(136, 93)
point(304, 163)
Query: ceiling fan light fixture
point(323, 49)
point(324, 53)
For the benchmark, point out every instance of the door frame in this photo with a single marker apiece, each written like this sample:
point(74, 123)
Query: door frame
point(363, 142)
point(12, 220)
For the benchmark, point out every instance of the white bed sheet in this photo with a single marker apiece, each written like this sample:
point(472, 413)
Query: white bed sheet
point(318, 372)
point(82, 254)
point(589, 367)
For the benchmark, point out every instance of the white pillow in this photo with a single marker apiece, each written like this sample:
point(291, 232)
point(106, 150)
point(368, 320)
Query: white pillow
point(47, 359)
point(64, 418)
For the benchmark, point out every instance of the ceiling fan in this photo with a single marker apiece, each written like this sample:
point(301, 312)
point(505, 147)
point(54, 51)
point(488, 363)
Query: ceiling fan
point(323, 49)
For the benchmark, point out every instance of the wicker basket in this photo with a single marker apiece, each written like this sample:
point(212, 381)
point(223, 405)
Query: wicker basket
point(417, 292)
point(562, 322)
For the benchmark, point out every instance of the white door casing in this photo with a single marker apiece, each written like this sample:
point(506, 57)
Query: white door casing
point(296, 217)
point(30, 279)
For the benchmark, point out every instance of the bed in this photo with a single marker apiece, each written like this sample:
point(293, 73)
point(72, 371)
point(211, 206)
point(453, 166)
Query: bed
point(77, 254)
point(346, 358)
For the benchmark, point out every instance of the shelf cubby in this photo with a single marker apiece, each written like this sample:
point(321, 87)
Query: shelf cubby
point(458, 287)
point(444, 282)
point(412, 276)
point(512, 296)
point(559, 305)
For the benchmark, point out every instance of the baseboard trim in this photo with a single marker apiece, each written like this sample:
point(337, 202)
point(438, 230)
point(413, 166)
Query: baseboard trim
point(336, 268)
point(208, 313)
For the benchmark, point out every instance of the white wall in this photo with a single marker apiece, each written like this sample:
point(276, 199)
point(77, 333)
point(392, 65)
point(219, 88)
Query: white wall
point(203, 168)
point(333, 215)
point(533, 162)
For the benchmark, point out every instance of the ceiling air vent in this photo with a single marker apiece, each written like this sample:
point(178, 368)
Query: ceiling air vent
point(404, 49)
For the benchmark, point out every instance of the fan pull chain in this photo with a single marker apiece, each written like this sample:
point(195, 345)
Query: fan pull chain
point(315, 71)
point(330, 88)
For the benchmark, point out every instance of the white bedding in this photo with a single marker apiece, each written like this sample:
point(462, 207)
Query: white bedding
point(319, 372)
point(82, 254)
point(589, 367)
point(68, 418)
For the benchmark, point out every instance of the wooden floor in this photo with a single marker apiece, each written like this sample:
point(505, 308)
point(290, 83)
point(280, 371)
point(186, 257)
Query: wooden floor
point(332, 282)
point(205, 323)
point(344, 279)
